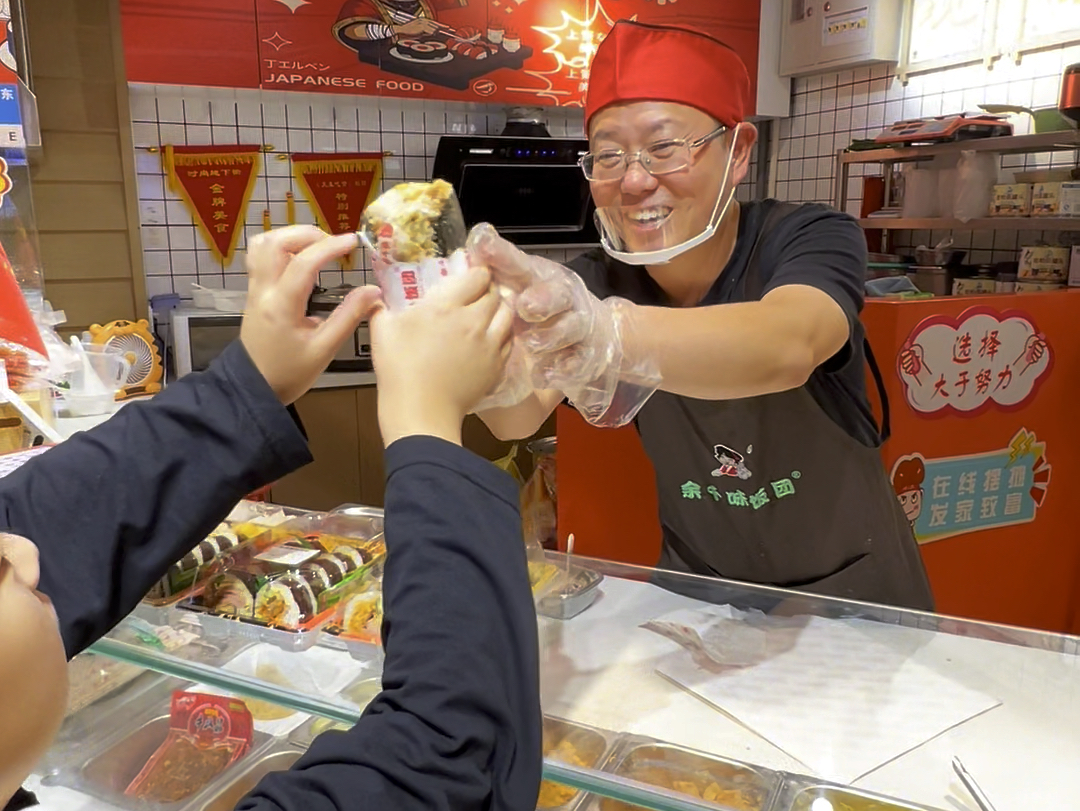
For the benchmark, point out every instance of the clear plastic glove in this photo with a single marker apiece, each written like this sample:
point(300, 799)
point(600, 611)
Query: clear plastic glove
point(582, 346)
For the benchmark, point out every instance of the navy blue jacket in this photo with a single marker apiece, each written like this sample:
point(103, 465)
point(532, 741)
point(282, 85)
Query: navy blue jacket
point(458, 724)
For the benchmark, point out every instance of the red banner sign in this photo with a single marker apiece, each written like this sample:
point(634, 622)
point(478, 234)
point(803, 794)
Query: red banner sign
point(498, 51)
point(215, 183)
point(338, 186)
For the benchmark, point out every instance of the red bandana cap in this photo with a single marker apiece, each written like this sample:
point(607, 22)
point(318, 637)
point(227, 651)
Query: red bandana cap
point(638, 62)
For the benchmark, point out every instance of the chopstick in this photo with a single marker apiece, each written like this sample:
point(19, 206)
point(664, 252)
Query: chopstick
point(981, 799)
point(402, 17)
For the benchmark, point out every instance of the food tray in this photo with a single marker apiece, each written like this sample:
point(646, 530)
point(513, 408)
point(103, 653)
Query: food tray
point(589, 749)
point(800, 792)
point(572, 595)
point(156, 609)
point(360, 693)
point(253, 571)
point(222, 627)
point(743, 787)
point(225, 793)
point(107, 767)
point(93, 727)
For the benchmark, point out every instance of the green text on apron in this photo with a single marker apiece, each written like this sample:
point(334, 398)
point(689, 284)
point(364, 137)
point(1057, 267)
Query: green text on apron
point(770, 490)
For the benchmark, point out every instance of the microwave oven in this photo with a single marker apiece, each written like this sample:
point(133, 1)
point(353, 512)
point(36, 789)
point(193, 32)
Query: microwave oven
point(199, 336)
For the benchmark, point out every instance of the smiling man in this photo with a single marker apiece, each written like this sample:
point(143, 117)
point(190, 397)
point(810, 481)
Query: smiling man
point(748, 314)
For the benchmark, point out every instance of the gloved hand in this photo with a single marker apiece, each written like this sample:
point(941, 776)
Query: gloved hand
point(575, 343)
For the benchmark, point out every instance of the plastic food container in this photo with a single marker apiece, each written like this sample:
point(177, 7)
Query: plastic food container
point(574, 745)
point(807, 797)
point(572, 595)
point(108, 773)
point(734, 785)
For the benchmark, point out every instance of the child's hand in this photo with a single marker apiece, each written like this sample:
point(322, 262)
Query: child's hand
point(290, 349)
point(437, 359)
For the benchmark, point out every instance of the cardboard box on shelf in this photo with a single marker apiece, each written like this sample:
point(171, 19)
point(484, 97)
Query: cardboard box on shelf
point(1069, 199)
point(1011, 200)
point(1045, 199)
point(1074, 267)
point(1043, 263)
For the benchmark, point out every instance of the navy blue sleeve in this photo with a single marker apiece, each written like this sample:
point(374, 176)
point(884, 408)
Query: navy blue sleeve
point(458, 724)
point(112, 508)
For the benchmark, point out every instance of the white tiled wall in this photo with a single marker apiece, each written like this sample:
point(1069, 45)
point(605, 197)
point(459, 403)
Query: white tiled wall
point(832, 110)
point(175, 255)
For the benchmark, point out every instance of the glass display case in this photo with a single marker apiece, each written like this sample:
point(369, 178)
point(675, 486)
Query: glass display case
point(660, 691)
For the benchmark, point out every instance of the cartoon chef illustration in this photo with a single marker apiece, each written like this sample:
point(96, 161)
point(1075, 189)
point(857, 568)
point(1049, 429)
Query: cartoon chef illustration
point(732, 463)
point(376, 20)
point(907, 480)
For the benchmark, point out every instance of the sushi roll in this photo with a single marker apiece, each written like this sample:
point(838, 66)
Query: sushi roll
point(286, 601)
point(322, 575)
point(353, 557)
point(363, 614)
point(226, 541)
point(233, 594)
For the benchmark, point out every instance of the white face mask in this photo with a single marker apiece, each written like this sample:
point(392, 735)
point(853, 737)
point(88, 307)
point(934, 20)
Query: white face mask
point(610, 220)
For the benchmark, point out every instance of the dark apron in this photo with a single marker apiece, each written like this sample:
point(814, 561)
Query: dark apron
point(770, 490)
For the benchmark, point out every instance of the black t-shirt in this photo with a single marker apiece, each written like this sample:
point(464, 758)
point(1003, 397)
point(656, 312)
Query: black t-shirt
point(815, 246)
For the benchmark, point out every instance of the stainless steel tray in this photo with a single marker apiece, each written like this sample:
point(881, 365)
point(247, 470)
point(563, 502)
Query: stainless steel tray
point(224, 793)
point(106, 774)
point(800, 792)
point(360, 692)
point(742, 786)
point(572, 596)
point(591, 747)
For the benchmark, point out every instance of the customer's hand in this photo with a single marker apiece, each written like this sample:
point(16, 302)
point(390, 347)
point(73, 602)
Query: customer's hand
point(438, 358)
point(290, 349)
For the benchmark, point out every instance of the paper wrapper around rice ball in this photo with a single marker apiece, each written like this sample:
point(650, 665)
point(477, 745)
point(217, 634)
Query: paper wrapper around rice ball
point(417, 234)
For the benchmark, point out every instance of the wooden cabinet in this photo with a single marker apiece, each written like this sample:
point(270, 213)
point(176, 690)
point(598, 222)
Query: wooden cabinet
point(343, 432)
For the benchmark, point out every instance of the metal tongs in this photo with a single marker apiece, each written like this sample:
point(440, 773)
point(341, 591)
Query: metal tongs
point(981, 799)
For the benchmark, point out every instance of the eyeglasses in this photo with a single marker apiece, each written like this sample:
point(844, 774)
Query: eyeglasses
point(660, 158)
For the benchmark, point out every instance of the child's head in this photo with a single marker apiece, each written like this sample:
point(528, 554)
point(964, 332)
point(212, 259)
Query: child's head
point(33, 666)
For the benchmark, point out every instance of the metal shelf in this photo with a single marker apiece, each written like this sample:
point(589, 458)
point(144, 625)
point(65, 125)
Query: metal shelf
point(1008, 145)
point(984, 223)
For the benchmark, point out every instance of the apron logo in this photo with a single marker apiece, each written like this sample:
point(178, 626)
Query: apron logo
point(732, 463)
point(780, 489)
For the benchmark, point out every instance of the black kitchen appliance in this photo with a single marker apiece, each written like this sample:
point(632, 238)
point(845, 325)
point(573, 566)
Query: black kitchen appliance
point(530, 188)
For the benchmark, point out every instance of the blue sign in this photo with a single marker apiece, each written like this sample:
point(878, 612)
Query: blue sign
point(964, 494)
point(10, 113)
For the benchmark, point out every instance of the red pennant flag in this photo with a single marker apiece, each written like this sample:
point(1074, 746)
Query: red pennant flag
point(215, 183)
point(338, 186)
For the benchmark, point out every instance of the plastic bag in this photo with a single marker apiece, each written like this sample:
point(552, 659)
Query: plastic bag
point(539, 511)
point(976, 175)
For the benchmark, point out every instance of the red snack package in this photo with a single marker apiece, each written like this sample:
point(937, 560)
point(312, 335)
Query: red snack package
point(21, 347)
point(16, 324)
point(207, 734)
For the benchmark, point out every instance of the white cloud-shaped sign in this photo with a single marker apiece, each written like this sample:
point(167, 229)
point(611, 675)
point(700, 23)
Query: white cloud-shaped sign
point(968, 363)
